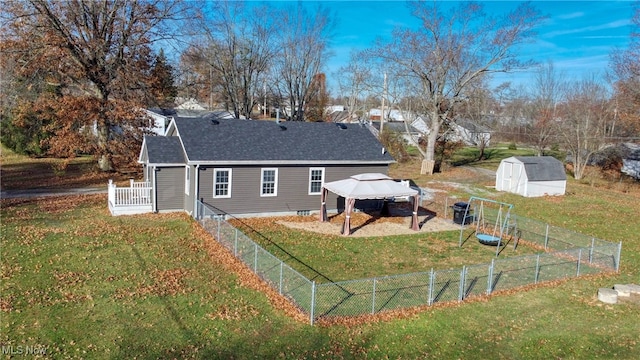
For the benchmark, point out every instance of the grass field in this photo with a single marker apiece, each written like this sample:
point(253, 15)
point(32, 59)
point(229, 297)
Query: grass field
point(341, 258)
point(83, 284)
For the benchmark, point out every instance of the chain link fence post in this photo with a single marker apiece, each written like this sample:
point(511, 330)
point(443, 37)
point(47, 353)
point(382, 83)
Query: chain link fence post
point(546, 237)
point(537, 274)
point(490, 277)
point(618, 256)
point(462, 281)
point(255, 258)
point(430, 292)
point(235, 244)
point(313, 301)
point(578, 265)
point(373, 298)
point(280, 283)
point(218, 229)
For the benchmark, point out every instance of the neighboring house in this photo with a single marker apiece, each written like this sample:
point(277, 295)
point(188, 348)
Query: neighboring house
point(399, 127)
point(161, 118)
point(252, 168)
point(340, 117)
point(390, 115)
point(531, 176)
point(189, 104)
point(469, 132)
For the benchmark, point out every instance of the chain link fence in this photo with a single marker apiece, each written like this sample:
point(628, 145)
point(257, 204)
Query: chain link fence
point(567, 254)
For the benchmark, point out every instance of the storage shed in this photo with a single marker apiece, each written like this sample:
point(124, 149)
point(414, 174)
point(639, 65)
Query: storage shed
point(531, 176)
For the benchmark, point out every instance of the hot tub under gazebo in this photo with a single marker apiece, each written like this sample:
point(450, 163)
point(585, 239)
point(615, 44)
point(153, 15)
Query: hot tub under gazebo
point(367, 186)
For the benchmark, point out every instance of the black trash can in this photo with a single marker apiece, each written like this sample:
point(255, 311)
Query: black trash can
point(460, 209)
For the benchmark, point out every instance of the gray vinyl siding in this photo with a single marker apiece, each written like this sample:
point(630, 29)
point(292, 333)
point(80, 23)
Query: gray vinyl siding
point(170, 188)
point(293, 188)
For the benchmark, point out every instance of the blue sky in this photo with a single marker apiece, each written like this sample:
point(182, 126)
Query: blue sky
point(577, 37)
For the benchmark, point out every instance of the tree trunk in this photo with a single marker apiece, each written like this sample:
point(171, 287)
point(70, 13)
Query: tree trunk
point(104, 160)
point(428, 164)
point(103, 130)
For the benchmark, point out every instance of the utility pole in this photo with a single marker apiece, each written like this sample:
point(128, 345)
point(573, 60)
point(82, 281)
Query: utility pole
point(384, 95)
point(264, 108)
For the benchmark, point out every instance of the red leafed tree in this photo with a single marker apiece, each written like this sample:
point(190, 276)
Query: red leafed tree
point(97, 54)
point(319, 99)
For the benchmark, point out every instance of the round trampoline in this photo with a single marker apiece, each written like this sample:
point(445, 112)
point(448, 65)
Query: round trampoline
point(486, 239)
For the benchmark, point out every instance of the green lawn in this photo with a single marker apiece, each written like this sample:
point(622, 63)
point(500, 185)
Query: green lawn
point(340, 258)
point(84, 284)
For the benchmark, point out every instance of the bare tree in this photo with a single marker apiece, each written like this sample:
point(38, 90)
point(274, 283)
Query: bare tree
point(352, 84)
point(99, 46)
point(239, 47)
point(302, 51)
point(546, 95)
point(586, 116)
point(626, 70)
point(476, 108)
point(453, 50)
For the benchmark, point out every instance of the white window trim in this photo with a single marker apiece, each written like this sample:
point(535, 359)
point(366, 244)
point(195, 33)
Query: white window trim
point(215, 172)
point(311, 170)
point(187, 180)
point(275, 185)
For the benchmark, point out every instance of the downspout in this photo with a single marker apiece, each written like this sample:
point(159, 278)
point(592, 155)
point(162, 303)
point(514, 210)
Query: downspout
point(195, 192)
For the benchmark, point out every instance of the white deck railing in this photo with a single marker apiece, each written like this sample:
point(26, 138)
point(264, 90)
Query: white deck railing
point(135, 199)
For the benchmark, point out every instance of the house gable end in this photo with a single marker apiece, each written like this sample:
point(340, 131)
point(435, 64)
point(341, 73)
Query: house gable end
point(163, 150)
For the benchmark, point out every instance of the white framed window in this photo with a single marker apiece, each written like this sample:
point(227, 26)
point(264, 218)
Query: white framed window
point(316, 179)
point(187, 180)
point(269, 182)
point(221, 183)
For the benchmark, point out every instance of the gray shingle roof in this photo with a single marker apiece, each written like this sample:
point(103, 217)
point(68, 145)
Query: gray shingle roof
point(164, 150)
point(234, 140)
point(543, 168)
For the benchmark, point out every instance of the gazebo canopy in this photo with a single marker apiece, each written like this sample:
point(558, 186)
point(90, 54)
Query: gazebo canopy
point(367, 186)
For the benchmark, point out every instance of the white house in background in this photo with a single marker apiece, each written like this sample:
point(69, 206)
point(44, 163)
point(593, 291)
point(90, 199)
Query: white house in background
point(189, 104)
point(160, 119)
point(334, 108)
point(390, 115)
point(469, 133)
point(531, 176)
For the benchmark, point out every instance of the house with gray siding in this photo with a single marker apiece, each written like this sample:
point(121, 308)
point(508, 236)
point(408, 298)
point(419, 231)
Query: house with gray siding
point(255, 168)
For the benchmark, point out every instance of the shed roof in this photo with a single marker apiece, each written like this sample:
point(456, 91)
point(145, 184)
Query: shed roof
point(253, 141)
point(542, 168)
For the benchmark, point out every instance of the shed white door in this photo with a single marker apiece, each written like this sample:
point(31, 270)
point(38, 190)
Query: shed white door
point(511, 176)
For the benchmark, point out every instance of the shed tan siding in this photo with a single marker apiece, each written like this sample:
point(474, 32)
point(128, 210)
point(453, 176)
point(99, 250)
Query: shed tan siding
point(293, 188)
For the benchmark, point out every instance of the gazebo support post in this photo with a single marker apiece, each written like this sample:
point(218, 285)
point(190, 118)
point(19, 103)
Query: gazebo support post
point(323, 205)
point(346, 228)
